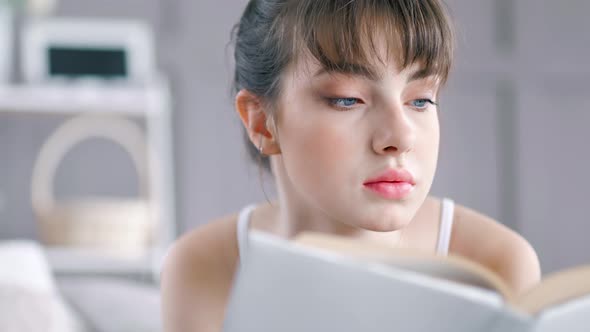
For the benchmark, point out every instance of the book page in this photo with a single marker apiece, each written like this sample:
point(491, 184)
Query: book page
point(573, 316)
point(557, 288)
point(453, 268)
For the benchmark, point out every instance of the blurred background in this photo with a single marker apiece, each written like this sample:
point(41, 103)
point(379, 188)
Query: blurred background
point(514, 119)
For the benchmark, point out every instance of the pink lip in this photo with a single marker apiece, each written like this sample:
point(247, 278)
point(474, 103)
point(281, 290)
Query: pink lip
point(392, 184)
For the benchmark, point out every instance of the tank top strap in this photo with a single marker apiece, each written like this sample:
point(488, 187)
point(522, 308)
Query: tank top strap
point(446, 226)
point(242, 229)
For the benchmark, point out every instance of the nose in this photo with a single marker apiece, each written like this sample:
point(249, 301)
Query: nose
point(395, 133)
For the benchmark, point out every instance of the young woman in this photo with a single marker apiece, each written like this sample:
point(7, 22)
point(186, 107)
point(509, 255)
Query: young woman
point(340, 98)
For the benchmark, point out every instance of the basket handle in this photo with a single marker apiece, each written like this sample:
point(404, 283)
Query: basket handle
point(124, 132)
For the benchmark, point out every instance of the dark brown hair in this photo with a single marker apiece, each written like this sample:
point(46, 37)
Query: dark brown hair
point(342, 35)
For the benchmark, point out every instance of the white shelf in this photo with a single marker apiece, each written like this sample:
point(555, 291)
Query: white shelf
point(151, 102)
point(75, 99)
point(65, 260)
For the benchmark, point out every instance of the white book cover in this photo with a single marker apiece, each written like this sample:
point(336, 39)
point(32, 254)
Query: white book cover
point(282, 286)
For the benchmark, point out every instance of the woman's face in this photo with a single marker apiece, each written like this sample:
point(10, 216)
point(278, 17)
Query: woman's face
point(339, 131)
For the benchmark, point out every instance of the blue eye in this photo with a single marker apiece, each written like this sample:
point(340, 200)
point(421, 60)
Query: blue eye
point(422, 103)
point(344, 102)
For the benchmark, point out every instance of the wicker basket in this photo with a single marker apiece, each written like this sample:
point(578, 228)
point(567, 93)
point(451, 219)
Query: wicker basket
point(117, 226)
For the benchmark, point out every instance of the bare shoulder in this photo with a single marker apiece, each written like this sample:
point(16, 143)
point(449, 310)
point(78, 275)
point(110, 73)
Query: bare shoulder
point(489, 242)
point(197, 276)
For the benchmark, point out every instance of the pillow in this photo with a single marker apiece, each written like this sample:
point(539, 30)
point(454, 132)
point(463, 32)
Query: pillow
point(29, 300)
point(23, 263)
point(27, 310)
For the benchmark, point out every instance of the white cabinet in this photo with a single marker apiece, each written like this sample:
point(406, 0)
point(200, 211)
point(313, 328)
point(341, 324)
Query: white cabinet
point(151, 103)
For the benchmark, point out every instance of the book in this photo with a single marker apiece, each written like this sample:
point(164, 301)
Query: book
point(320, 282)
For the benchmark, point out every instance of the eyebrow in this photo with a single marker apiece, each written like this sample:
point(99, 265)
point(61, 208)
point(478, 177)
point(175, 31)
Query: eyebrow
point(367, 72)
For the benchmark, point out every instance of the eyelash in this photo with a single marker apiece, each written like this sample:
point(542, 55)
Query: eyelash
point(333, 102)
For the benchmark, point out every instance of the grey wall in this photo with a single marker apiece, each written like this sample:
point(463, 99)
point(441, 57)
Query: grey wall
point(513, 121)
point(524, 64)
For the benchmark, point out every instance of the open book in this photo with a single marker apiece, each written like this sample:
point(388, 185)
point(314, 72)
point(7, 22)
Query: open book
point(326, 283)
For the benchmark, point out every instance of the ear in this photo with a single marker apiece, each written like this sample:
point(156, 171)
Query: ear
point(251, 110)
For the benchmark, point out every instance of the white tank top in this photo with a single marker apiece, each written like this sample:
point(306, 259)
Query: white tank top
point(442, 246)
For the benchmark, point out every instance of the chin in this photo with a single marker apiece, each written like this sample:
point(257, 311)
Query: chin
point(385, 224)
point(386, 218)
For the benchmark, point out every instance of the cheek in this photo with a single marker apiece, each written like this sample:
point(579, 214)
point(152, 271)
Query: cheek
point(428, 147)
point(435, 138)
point(314, 149)
point(320, 149)
point(431, 139)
